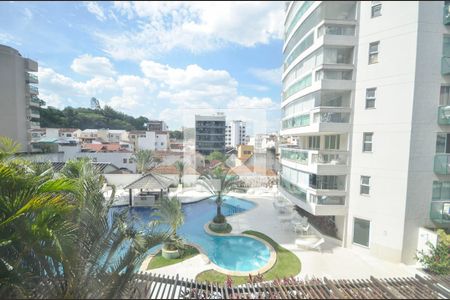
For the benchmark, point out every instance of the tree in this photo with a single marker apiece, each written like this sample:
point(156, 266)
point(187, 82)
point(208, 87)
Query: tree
point(58, 238)
point(145, 159)
point(219, 183)
point(180, 165)
point(216, 155)
point(171, 213)
point(176, 134)
point(438, 259)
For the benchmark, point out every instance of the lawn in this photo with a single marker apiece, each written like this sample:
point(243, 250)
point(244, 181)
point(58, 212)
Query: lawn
point(158, 261)
point(287, 264)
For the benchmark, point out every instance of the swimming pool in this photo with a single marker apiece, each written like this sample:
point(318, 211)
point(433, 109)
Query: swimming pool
point(233, 253)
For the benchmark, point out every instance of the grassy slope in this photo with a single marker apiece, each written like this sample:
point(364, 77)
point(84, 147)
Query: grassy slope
point(287, 264)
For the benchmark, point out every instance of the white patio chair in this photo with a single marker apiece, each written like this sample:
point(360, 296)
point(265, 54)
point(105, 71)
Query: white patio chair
point(310, 242)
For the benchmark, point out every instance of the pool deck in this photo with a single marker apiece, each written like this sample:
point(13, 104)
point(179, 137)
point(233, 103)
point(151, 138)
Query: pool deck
point(334, 262)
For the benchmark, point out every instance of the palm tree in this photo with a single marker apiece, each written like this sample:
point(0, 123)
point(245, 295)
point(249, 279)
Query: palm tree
point(35, 209)
point(219, 183)
point(171, 213)
point(145, 159)
point(58, 237)
point(180, 165)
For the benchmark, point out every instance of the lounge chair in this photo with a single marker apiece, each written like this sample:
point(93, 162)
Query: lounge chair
point(310, 242)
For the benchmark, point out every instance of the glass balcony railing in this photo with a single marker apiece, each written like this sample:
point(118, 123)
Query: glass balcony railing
point(441, 164)
point(440, 212)
point(329, 158)
point(293, 189)
point(35, 124)
point(35, 100)
point(31, 78)
point(296, 155)
point(295, 122)
point(331, 117)
point(327, 200)
point(445, 65)
point(33, 89)
point(444, 115)
point(447, 14)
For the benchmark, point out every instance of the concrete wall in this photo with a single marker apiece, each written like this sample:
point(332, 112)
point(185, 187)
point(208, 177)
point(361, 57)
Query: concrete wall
point(390, 121)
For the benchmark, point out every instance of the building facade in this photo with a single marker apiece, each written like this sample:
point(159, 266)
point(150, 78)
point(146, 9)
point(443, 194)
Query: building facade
point(235, 134)
point(365, 95)
point(209, 134)
point(156, 125)
point(19, 101)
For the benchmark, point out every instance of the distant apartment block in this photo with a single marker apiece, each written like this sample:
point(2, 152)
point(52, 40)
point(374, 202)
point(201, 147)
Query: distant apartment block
point(155, 125)
point(366, 105)
point(235, 134)
point(19, 102)
point(209, 134)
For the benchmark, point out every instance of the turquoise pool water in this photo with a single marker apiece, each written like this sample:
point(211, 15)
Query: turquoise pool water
point(235, 253)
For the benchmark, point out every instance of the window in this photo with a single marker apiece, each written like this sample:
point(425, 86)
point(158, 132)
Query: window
point(442, 144)
point(361, 232)
point(373, 53)
point(367, 141)
point(365, 185)
point(376, 9)
point(314, 142)
point(370, 98)
point(124, 160)
point(332, 142)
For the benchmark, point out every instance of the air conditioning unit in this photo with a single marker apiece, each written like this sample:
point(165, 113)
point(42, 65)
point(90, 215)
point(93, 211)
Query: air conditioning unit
point(446, 112)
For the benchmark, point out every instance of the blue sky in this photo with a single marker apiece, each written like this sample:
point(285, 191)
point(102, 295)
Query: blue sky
point(162, 60)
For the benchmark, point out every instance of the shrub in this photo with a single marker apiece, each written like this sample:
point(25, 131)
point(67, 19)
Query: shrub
point(438, 259)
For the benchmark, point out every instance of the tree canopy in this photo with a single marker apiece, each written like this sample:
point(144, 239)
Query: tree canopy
point(84, 118)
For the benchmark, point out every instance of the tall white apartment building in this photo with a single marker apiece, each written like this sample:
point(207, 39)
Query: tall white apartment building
point(19, 104)
point(366, 97)
point(235, 134)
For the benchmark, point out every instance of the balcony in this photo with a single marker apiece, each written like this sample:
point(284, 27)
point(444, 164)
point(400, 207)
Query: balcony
point(440, 212)
point(34, 125)
point(323, 162)
point(34, 101)
point(441, 164)
point(31, 65)
point(31, 78)
point(311, 202)
point(445, 65)
point(32, 90)
point(447, 14)
point(34, 113)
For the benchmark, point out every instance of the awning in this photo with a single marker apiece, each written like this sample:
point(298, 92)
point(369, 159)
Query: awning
point(150, 181)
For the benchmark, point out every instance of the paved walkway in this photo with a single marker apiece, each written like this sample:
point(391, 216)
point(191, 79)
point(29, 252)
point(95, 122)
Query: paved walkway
point(333, 262)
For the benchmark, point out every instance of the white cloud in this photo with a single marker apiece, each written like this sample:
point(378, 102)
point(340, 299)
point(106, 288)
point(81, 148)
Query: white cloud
point(172, 94)
point(195, 26)
point(96, 10)
point(192, 85)
point(8, 39)
point(272, 76)
point(243, 102)
point(93, 66)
